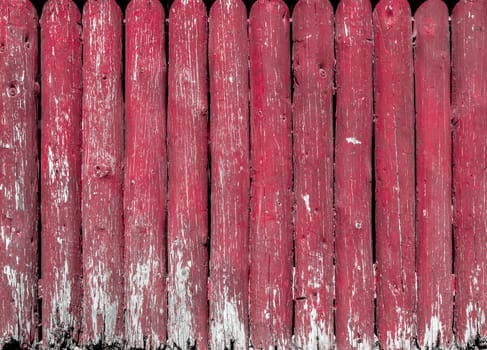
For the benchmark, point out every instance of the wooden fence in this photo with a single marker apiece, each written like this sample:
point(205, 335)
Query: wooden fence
point(228, 180)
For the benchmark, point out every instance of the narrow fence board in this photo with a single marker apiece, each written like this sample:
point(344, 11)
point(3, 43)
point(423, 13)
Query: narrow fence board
point(145, 176)
point(433, 177)
point(18, 171)
point(271, 240)
point(102, 177)
point(353, 176)
point(469, 87)
point(61, 172)
point(313, 62)
point(230, 181)
point(395, 181)
point(188, 179)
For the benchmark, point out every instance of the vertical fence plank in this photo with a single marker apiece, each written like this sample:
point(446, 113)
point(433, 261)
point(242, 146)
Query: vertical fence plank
point(353, 176)
point(313, 62)
point(433, 177)
point(271, 240)
point(102, 206)
point(188, 179)
point(145, 176)
point(230, 186)
point(61, 172)
point(18, 171)
point(394, 160)
point(469, 84)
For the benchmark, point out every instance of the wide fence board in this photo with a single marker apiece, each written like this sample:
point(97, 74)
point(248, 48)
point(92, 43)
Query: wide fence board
point(102, 176)
point(18, 171)
point(145, 176)
point(187, 127)
point(433, 176)
point(313, 62)
point(469, 101)
point(271, 231)
point(61, 99)
point(354, 318)
point(394, 172)
point(228, 51)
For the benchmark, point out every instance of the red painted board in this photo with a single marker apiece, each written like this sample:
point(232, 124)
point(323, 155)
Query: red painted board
point(271, 231)
point(313, 63)
point(102, 176)
point(187, 129)
point(18, 171)
point(145, 176)
point(353, 176)
point(433, 176)
point(230, 180)
point(469, 91)
point(394, 174)
point(61, 172)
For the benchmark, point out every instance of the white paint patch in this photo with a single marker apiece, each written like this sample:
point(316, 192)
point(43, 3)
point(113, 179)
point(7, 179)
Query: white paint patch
point(364, 344)
point(306, 202)
point(228, 325)
point(353, 141)
point(432, 332)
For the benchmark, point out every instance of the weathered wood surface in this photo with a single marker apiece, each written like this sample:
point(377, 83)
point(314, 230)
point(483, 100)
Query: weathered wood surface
point(61, 172)
point(313, 62)
point(230, 181)
point(433, 176)
point(271, 233)
point(18, 171)
point(187, 128)
point(145, 176)
point(353, 176)
point(102, 176)
point(395, 179)
point(469, 91)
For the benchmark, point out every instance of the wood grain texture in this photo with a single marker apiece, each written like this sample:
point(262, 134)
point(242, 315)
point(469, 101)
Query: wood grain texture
point(313, 62)
point(18, 171)
point(61, 172)
point(353, 176)
point(145, 176)
point(228, 52)
point(394, 171)
point(102, 176)
point(433, 176)
point(271, 232)
point(187, 128)
point(469, 91)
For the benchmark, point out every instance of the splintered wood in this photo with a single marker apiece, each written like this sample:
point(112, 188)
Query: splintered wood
point(102, 177)
point(61, 268)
